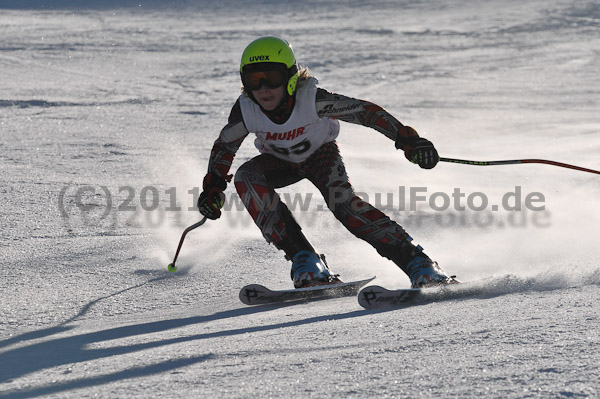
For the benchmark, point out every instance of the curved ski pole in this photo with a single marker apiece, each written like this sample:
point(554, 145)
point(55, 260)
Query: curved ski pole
point(172, 267)
point(518, 161)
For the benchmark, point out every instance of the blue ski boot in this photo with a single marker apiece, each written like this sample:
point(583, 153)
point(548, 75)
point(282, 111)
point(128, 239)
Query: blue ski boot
point(308, 270)
point(424, 272)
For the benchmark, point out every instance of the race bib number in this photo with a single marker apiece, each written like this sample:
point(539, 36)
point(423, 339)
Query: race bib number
point(296, 149)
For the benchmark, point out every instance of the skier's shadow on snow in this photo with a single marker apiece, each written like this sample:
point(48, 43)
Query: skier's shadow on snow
point(67, 350)
point(64, 325)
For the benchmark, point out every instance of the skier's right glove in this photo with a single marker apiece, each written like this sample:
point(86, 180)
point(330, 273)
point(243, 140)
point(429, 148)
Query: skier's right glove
point(211, 200)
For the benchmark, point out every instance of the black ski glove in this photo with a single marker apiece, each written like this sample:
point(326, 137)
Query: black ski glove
point(418, 150)
point(211, 200)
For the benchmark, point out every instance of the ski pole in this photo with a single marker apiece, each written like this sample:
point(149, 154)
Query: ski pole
point(518, 161)
point(171, 266)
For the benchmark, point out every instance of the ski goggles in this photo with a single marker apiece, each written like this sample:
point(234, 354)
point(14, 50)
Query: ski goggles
point(273, 79)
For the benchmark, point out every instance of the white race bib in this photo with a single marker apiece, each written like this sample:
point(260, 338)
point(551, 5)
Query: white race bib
point(301, 135)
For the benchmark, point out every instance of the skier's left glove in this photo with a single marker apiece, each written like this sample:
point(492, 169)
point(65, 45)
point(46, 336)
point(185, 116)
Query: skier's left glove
point(212, 199)
point(418, 150)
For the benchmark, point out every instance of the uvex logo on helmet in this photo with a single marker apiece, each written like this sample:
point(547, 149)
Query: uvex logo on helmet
point(259, 58)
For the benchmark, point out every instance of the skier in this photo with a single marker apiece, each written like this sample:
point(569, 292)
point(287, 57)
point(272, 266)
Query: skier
point(296, 124)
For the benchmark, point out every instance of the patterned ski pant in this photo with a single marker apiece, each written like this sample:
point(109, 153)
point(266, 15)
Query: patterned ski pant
point(257, 179)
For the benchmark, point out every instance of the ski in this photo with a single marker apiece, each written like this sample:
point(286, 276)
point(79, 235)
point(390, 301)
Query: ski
point(256, 294)
point(374, 296)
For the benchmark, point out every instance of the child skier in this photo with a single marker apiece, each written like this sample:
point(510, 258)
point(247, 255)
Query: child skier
point(296, 124)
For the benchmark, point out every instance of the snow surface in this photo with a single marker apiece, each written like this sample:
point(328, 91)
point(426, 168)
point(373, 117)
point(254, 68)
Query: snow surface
point(96, 101)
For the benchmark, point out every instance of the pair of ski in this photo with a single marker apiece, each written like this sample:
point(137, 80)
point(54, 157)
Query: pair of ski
point(371, 297)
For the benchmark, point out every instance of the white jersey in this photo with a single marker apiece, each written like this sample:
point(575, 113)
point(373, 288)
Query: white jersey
point(301, 135)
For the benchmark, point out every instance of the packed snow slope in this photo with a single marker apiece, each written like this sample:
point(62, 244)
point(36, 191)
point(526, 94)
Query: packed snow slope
point(107, 117)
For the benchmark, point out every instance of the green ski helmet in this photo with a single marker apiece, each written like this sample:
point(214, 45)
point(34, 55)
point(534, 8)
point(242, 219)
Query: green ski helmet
point(270, 50)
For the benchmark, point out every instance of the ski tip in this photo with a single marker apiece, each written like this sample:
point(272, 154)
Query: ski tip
point(375, 296)
point(249, 293)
